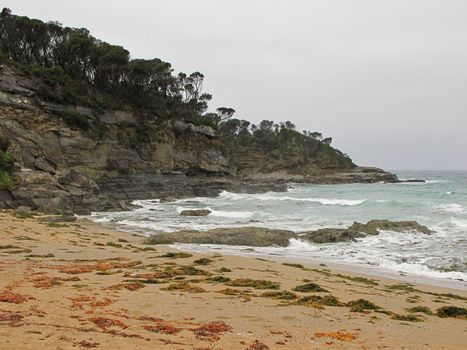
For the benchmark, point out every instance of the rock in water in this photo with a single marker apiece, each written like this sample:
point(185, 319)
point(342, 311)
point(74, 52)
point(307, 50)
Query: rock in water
point(372, 227)
point(244, 236)
point(195, 212)
point(263, 237)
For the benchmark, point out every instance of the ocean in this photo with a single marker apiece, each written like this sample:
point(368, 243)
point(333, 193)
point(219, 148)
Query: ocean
point(440, 203)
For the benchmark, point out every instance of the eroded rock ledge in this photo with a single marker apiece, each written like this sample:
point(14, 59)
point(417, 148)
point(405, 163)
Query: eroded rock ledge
point(62, 168)
point(263, 237)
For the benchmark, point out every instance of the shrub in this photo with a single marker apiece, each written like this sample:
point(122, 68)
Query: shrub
point(5, 180)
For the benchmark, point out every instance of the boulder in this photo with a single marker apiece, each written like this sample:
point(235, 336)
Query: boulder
point(374, 226)
point(331, 235)
point(196, 212)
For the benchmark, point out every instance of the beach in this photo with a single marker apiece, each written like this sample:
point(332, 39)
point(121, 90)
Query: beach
point(78, 285)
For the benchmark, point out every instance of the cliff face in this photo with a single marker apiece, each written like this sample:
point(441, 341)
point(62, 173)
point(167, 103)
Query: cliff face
point(69, 158)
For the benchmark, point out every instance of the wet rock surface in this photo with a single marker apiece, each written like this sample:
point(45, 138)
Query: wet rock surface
point(245, 236)
point(200, 212)
point(262, 237)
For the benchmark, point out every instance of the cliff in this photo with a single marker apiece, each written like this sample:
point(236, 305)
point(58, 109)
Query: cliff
point(61, 166)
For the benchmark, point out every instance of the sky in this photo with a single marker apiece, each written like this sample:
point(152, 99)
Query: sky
point(387, 80)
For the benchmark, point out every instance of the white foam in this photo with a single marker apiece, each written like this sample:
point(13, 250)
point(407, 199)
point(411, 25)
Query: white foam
point(451, 208)
point(232, 214)
point(459, 222)
point(180, 209)
point(269, 196)
point(421, 270)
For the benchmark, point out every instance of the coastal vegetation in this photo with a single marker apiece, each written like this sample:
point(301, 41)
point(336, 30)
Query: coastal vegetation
point(5, 164)
point(75, 68)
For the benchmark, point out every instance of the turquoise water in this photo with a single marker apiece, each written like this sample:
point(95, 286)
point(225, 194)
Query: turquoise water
point(440, 203)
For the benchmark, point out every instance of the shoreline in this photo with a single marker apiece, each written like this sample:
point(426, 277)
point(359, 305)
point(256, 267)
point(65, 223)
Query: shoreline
point(342, 267)
point(72, 285)
point(373, 271)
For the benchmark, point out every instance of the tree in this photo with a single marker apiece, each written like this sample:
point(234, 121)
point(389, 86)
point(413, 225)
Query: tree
point(327, 140)
point(316, 135)
point(225, 113)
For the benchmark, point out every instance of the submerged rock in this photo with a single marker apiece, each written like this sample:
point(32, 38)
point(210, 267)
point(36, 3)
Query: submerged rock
point(196, 212)
point(244, 236)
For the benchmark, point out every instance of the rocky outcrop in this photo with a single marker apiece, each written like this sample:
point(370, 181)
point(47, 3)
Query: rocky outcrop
point(262, 237)
point(71, 159)
point(374, 226)
point(245, 236)
point(199, 212)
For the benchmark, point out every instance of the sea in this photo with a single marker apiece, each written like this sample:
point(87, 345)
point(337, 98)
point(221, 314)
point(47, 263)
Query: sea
point(439, 203)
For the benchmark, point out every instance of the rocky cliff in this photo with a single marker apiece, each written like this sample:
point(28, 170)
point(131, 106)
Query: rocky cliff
point(74, 159)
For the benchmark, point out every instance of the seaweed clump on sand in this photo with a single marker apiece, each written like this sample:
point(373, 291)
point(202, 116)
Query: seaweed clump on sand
point(202, 261)
point(184, 287)
point(211, 331)
point(162, 328)
point(257, 284)
point(420, 309)
point(309, 287)
point(318, 302)
point(361, 305)
point(13, 298)
point(105, 323)
point(408, 318)
point(280, 295)
point(172, 255)
point(344, 336)
point(452, 311)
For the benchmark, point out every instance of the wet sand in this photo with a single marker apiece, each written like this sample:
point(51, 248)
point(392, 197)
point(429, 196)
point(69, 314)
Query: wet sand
point(77, 285)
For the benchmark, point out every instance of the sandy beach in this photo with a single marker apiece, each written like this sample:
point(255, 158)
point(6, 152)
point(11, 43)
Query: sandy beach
point(78, 285)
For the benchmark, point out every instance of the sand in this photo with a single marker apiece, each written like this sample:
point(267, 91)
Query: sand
point(78, 285)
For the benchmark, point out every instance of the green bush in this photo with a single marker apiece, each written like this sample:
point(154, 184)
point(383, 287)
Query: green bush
point(4, 143)
point(5, 161)
point(5, 166)
point(5, 180)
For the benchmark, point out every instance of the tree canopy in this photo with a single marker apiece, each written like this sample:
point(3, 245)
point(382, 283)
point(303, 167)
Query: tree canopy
point(76, 68)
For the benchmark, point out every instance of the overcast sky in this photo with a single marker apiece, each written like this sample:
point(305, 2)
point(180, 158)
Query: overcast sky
point(386, 79)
